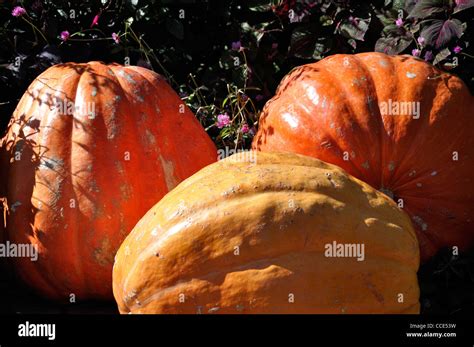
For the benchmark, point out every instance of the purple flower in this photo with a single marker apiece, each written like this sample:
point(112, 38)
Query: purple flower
point(18, 11)
point(399, 22)
point(415, 52)
point(223, 120)
point(259, 97)
point(245, 128)
point(457, 49)
point(244, 97)
point(421, 40)
point(429, 56)
point(253, 131)
point(95, 21)
point(116, 38)
point(236, 46)
point(65, 35)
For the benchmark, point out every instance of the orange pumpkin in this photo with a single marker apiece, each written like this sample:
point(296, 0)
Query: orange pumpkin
point(90, 148)
point(251, 234)
point(395, 122)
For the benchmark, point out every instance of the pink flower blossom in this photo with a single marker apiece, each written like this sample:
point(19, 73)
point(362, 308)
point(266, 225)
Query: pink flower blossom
point(223, 120)
point(245, 128)
point(18, 11)
point(457, 49)
point(65, 35)
point(116, 38)
point(415, 52)
point(236, 46)
point(95, 21)
point(421, 40)
point(399, 22)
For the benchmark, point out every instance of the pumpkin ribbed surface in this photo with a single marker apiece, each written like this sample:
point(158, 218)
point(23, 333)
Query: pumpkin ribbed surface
point(395, 122)
point(90, 148)
point(248, 234)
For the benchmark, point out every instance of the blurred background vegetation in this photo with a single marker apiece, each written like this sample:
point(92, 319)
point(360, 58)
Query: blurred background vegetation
point(225, 58)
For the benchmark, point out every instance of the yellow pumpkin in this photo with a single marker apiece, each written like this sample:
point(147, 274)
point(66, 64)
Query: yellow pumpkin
point(262, 233)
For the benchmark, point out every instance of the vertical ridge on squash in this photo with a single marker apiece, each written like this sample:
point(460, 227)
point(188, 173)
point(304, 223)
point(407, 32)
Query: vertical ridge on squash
point(248, 234)
point(81, 176)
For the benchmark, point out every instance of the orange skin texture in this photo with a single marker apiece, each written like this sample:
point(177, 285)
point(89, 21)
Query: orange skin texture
point(115, 164)
point(332, 108)
point(279, 210)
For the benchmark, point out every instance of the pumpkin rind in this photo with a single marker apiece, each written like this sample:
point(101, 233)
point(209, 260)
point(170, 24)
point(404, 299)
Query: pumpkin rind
point(247, 235)
point(79, 178)
point(331, 110)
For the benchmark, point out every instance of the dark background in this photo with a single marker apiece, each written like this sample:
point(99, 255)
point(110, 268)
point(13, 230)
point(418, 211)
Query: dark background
point(197, 54)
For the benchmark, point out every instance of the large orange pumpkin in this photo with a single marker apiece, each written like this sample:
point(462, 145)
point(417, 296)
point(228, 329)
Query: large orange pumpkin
point(343, 110)
point(250, 234)
point(90, 148)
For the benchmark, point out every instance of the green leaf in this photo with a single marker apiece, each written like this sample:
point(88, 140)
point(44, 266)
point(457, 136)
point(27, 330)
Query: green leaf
point(385, 18)
point(326, 20)
point(354, 31)
point(62, 13)
point(392, 45)
point(438, 32)
point(257, 31)
point(426, 8)
point(319, 49)
point(398, 5)
point(442, 55)
point(306, 44)
point(392, 29)
point(462, 5)
point(262, 5)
